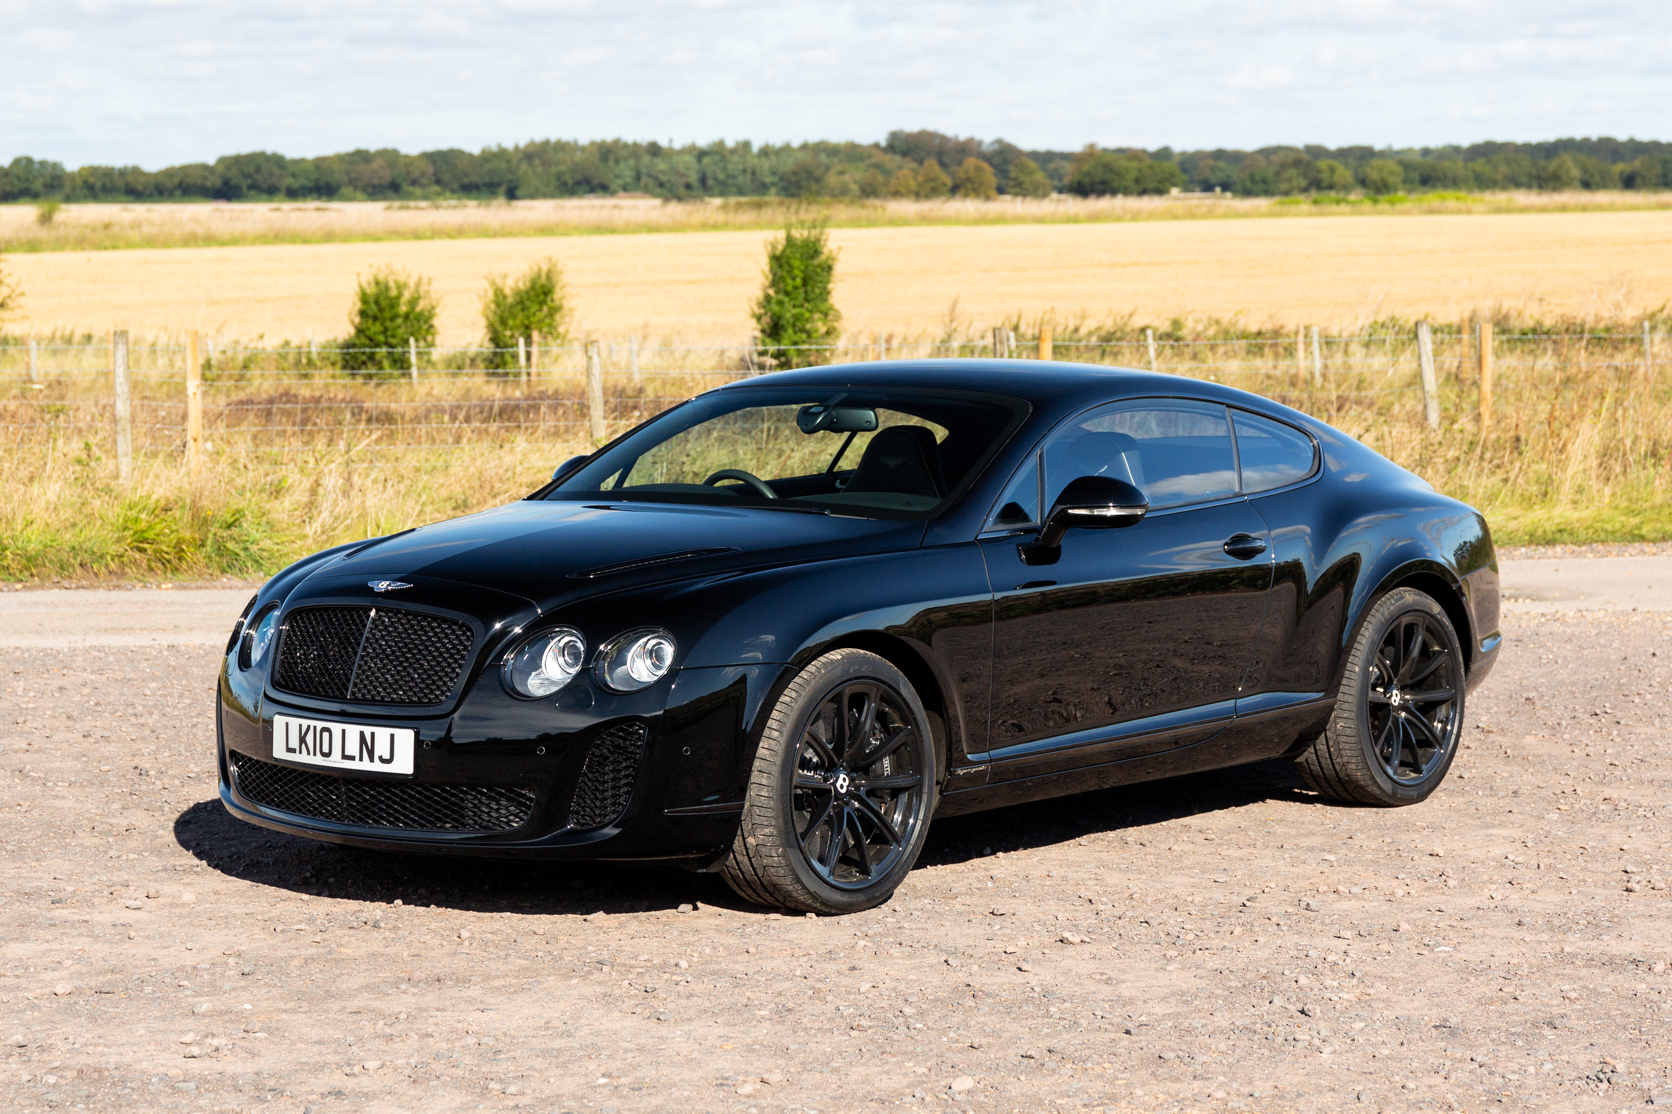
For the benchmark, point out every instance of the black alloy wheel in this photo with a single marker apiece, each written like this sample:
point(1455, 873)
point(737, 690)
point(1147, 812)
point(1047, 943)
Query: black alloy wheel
point(1412, 702)
point(839, 802)
point(1399, 715)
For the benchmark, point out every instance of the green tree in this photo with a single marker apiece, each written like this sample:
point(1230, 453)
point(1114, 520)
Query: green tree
point(1027, 180)
point(391, 310)
point(1382, 176)
point(1333, 177)
point(1103, 173)
point(976, 180)
point(1641, 174)
point(795, 311)
point(903, 183)
point(1560, 173)
point(537, 302)
point(932, 180)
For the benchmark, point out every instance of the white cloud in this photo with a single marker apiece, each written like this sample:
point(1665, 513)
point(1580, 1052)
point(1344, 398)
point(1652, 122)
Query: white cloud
point(163, 81)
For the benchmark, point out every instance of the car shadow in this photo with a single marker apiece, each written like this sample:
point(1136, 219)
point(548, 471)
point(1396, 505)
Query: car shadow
point(1044, 823)
point(303, 866)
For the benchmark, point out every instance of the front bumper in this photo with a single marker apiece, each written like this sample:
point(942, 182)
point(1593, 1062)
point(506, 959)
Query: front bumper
point(587, 778)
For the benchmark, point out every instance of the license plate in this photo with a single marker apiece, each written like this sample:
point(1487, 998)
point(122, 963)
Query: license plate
point(344, 746)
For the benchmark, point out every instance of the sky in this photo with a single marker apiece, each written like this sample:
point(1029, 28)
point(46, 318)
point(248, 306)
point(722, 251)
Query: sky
point(159, 82)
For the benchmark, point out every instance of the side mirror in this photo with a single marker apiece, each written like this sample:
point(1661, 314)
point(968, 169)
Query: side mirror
point(1095, 502)
point(568, 465)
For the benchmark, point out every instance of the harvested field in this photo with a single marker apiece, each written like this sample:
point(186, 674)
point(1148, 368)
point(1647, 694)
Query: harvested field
point(1219, 942)
point(1334, 271)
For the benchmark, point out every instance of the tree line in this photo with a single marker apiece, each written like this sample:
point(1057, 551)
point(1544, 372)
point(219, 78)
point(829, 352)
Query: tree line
point(919, 164)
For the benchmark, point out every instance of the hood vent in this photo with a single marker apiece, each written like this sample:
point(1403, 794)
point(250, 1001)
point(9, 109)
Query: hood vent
point(647, 562)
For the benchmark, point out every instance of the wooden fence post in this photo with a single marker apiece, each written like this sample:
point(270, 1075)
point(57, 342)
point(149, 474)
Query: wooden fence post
point(533, 355)
point(412, 357)
point(124, 414)
point(35, 363)
point(194, 407)
point(1485, 375)
point(1300, 356)
point(595, 391)
point(1317, 359)
point(1430, 383)
point(1045, 343)
point(1001, 343)
point(633, 362)
point(1648, 355)
point(522, 358)
point(1149, 336)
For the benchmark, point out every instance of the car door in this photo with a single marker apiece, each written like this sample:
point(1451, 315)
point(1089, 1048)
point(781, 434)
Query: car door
point(1136, 639)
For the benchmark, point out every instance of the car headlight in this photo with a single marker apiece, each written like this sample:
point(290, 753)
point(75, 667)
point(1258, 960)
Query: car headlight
point(258, 638)
point(635, 660)
point(545, 663)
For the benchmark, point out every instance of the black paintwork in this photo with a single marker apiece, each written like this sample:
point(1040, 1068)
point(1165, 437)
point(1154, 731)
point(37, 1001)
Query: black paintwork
point(1138, 653)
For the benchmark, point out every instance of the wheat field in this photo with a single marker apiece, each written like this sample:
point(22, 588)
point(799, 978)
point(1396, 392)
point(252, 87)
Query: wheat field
point(696, 286)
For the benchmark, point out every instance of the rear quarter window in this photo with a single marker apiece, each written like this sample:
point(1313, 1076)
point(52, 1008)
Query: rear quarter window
point(1271, 454)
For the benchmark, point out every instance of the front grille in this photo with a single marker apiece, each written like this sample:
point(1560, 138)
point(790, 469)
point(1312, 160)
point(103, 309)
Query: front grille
point(379, 655)
point(400, 805)
point(607, 777)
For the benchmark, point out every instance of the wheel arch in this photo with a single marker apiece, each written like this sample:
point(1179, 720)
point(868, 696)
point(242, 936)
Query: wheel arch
point(1428, 576)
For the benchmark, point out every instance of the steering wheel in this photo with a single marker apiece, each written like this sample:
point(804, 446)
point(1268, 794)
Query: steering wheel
point(749, 479)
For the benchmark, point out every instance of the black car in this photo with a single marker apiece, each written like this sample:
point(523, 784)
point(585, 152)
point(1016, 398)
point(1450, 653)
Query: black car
point(775, 630)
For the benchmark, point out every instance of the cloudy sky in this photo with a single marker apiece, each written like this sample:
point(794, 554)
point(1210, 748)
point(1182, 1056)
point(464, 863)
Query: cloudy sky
point(155, 82)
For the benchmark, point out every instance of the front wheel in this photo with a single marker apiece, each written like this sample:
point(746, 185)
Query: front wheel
point(843, 785)
point(1399, 715)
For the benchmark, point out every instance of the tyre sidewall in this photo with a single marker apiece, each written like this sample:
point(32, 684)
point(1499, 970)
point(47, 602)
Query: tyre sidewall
point(824, 676)
point(1391, 609)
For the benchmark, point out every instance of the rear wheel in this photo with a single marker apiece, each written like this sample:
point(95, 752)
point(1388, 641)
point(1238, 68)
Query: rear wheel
point(841, 792)
point(1399, 715)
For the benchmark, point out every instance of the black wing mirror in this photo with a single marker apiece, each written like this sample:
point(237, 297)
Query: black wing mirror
point(568, 465)
point(1096, 502)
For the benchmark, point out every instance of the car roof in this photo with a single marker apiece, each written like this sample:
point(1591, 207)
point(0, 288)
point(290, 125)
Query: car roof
point(1051, 386)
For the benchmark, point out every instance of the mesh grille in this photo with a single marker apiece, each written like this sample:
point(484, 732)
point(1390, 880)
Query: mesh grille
point(378, 655)
point(606, 781)
point(401, 805)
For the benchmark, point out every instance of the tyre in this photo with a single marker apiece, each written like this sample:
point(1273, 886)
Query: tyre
point(841, 792)
point(1399, 715)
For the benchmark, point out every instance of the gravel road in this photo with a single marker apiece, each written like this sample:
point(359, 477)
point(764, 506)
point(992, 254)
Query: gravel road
point(1222, 941)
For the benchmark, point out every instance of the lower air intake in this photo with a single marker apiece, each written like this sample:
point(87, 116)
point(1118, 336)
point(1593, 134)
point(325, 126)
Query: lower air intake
point(398, 805)
point(606, 782)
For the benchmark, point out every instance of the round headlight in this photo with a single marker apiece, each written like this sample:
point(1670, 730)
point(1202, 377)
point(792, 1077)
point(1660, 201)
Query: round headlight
point(545, 663)
point(635, 660)
point(258, 638)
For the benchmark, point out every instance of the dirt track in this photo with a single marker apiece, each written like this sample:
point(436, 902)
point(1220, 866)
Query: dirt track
point(1223, 941)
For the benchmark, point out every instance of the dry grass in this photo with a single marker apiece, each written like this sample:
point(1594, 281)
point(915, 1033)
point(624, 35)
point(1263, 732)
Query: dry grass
point(103, 226)
point(1334, 271)
point(1580, 448)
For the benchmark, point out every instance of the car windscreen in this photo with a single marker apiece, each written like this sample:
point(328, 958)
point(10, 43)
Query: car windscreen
point(895, 453)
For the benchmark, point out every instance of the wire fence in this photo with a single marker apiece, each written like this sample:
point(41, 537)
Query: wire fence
point(276, 405)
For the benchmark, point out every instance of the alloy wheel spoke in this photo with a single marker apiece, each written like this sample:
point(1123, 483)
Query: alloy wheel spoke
point(1410, 645)
point(891, 781)
point(838, 829)
point(859, 843)
point(814, 825)
point(868, 809)
point(821, 749)
point(861, 732)
point(1417, 720)
point(1378, 697)
point(815, 782)
point(883, 749)
point(1440, 657)
point(1431, 696)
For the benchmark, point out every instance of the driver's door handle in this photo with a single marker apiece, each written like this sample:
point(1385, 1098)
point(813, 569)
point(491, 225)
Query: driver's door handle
point(1244, 547)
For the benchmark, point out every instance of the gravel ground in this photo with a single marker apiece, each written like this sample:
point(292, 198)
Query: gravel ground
point(1218, 941)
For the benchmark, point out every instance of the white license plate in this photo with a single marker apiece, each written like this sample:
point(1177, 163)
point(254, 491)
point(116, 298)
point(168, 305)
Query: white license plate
point(344, 746)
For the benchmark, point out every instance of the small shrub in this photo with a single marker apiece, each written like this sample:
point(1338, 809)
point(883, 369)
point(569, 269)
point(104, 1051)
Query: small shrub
point(11, 294)
point(46, 210)
point(976, 180)
point(795, 309)
point(535, 303)
point(391, 310)
point(932, 181)
point(1027, 180)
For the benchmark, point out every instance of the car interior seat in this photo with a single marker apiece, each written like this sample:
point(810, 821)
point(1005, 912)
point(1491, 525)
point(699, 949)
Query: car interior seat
point(902, 459)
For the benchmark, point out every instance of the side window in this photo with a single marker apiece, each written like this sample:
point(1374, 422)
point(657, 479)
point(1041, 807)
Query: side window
point(1019, 505)
point(1272, 454)
point(1175, 451)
